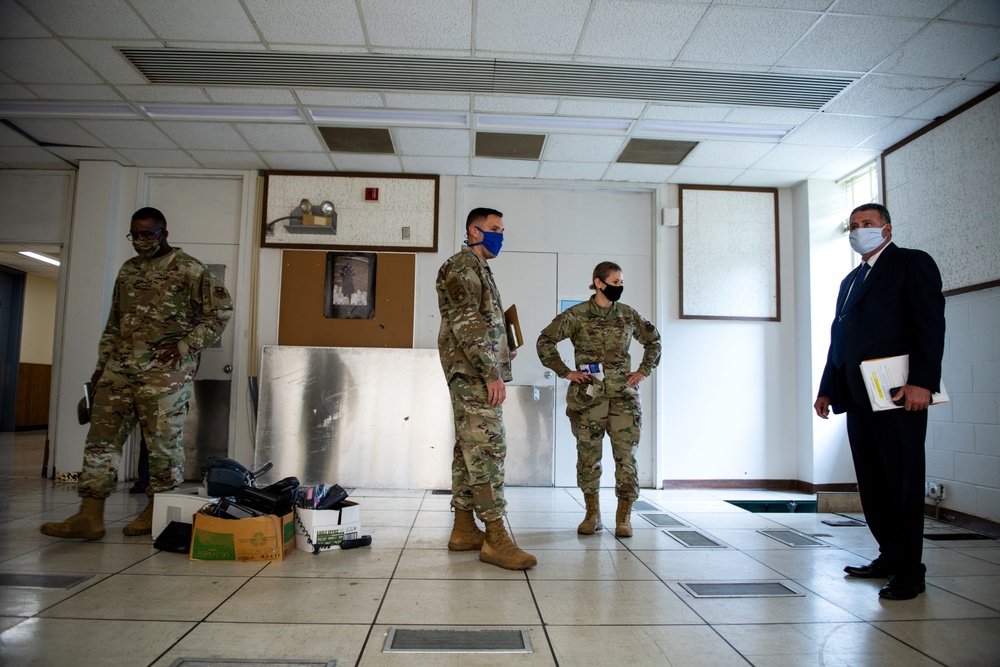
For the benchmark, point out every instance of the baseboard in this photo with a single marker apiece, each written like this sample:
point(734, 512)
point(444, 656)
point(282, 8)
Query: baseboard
point(766, 484)
point(962, 520)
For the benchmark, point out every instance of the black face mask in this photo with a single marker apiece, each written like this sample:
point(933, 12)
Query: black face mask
point(613, 292)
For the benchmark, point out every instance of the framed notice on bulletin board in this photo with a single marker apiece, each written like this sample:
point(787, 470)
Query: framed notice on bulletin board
point(350, 211)
point(729, 253)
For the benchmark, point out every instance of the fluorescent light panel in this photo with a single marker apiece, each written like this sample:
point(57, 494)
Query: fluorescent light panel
point(389, 118)
point(558, 124)
point(654, 128)
point(40, 258)
point(66, 110)
point(221, 112)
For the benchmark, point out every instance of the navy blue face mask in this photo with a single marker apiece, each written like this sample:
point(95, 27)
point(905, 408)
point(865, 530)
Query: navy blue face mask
point(492, 241)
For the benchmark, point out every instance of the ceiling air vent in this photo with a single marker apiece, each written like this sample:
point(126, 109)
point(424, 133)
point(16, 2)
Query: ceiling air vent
point(509, 146)
point(656, 151)
point(357, 140)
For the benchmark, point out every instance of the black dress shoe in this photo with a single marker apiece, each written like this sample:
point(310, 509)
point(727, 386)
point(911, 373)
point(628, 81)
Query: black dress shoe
point(902, 588)
point(874, 570)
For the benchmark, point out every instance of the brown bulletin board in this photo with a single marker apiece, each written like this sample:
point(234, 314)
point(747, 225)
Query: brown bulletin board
point(300, 312)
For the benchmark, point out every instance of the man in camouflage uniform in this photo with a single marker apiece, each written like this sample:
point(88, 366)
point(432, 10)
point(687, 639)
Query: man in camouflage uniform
point(472, 344)
point(601, 330)
point(167, 307)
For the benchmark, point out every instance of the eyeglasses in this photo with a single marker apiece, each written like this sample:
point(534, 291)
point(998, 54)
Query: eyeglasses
point(144, 236)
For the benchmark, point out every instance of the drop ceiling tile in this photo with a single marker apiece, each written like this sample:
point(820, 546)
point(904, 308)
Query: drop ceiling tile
point(639, 173)
point(974, 11)
point(361, 162)
point(109, 63)
point(212, 46)
point(988, 73)
point(769, 116)
point(946, 50)
point(15, 22)
point(641, 30)
point(892, 133)
point(454, 166)
point(577, 171)
point(204, 136)
point(74, 154)
point(946, 101)
point(329, 21)
point(251, 96)
point(159, 158)
point(421, 24)
point(845, 164)
point(582, 148)
point(920, 9)
point(127, 133)
point(175, 94)
point(30, 157)
point(508, 55)
point(431, 142)
point(600, 108)
point(812, 5)
point(43, 61)
point(317, 48)
point(337, 98)
point(482, 166)
point(197, 20)
point(788, 157)
point(827, 129)
point(761, 178)
point(704, 175)
point(298, 161)
point(886, 95)
point(746, 36)
point(10, 138)
point(735, 154)
point(57, 131)
point(11, 91)
point(76, 93)
point(530, 26)
point(280, 137)
point(485, 103)
point(850, 43)
point(109, 19)
point(228, 159)
point(428, 101)
point(707, 113)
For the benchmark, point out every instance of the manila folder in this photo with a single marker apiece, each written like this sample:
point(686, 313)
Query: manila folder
point(884, 375)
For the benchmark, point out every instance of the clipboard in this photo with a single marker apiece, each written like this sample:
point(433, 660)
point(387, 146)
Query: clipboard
point(514, 338)
point(883, 375)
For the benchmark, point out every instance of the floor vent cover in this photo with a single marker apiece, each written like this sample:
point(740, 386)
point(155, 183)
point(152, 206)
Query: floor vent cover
point(739, 589)
point(957, 536)
point(791, 538)
point(692, 538)
point(245, 662)
point(453, 640)
point(661, 520)
point(34, 580)
point(643, 506)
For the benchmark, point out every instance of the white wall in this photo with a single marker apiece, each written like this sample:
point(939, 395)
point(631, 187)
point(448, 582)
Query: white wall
point(38, 323)
point(963, 439)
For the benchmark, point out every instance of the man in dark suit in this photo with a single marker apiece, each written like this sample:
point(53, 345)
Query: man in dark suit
point(890, 305)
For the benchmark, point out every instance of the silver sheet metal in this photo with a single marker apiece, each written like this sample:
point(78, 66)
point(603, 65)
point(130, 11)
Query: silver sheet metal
point(382, 418)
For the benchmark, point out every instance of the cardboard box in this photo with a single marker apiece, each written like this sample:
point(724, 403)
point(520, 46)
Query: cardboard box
point(178, 505)
point(259, 538)
point(327, 528)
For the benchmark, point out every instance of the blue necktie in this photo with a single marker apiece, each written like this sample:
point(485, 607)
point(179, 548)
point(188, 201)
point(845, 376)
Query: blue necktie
point(838, 343)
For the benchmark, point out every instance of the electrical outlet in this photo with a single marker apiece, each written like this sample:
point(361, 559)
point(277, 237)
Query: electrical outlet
point(935, 490)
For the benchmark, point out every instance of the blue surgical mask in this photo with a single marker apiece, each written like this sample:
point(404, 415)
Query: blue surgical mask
point(492, 241)
point(865, 239)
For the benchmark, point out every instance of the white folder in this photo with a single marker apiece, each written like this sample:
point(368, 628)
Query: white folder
point(887, 373)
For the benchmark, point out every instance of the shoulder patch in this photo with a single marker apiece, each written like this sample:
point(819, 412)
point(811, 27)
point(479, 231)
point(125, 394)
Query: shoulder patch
point(456, 291)
point(649, 326)
point(220, 292)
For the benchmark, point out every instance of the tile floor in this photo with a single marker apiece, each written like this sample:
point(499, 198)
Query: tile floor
point(592, 600)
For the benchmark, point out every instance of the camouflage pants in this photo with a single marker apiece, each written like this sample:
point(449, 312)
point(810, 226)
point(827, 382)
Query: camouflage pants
point(159, 402)
point(621, 419)
point(480, 448)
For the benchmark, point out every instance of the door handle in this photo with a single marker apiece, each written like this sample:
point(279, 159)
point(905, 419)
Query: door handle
point(548, 375)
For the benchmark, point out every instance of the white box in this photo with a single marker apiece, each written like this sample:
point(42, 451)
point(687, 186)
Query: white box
point(326, 528)
point(179, 505)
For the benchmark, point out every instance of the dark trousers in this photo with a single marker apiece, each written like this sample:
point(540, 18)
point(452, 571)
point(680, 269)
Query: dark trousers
point(888, 451)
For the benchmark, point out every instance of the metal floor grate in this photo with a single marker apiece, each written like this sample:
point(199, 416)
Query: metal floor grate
point(244, 662)
point(692, 538)
point(791, 538)
point(662, 520)
point(457, 640)
point(36, 580)
point(643, 506)
point(740, 589)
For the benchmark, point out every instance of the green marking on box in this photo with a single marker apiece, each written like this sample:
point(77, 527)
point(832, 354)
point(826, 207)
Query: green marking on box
point(213, 546)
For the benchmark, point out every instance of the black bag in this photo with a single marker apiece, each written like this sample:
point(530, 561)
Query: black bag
point(225, 477)
point(175, 537)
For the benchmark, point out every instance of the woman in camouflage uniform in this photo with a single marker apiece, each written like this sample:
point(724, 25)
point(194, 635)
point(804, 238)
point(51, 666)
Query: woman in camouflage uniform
point(603, 394)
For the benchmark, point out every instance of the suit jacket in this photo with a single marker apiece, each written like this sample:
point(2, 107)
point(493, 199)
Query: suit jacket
point(899, 310)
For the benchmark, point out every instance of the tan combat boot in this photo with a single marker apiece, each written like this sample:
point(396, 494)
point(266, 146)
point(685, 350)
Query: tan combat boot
point(592, 522)
point(465, 536)
point(498, 549)
point(142, 524)
point(88, 523)
point(623, 519)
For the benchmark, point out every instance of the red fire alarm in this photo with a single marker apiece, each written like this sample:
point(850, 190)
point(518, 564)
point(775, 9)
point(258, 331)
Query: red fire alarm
point(371, 194)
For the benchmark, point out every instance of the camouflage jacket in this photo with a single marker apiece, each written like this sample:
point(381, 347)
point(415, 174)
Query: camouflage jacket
point(169, 299)
point(600, 338)
point(473, 337)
